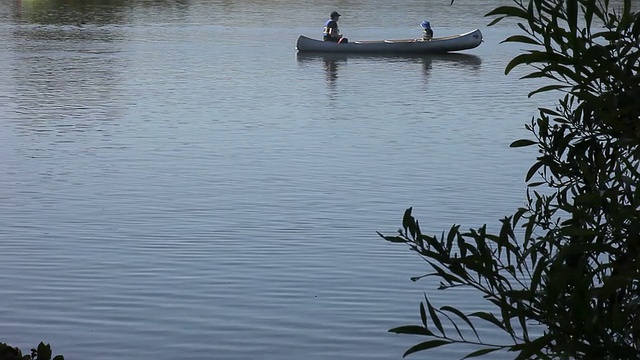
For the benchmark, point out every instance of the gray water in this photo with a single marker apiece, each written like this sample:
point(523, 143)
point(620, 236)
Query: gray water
point(177, 183)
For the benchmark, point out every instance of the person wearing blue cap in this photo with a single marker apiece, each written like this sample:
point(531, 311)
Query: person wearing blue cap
point(331, 31)
point(427, 32)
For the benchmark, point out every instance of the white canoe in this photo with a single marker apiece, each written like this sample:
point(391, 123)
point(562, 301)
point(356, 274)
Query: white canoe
point(445, 44)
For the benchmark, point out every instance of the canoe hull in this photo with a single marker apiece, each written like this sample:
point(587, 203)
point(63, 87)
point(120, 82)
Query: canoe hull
point(460, 42)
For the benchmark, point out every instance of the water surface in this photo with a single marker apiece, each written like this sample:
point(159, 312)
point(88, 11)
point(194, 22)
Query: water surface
point(178, 182)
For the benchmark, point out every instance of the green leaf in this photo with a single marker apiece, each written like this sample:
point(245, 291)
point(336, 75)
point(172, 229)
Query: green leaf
point(522, 143)
point(538, 75)
point(509, 11)
point(444, 275)
point(407, 219)
point(394, 239)
point(426, 345)
point(532, 349)
point(434, 317)
point(523, 322)
point(434, 243)
point(496, 20)
point(412, 330)
point(409, 223)
point(455, 326)
point(533, 170)
point(578, 232)
point(572, 16)
point(545, 111)
point(423, 315)
point(533, 57)
point(548, 88)
point(488, 317)
point(480, 352)
point(461, 316)
point(455, 231)
point(44, 351)
point(521, 39)
point(518, 60)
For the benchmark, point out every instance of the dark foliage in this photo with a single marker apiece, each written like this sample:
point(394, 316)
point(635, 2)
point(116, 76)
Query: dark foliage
point(43, 352)
point(573, 270)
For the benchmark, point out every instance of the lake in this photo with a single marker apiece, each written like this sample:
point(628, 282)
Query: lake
point(177, 182)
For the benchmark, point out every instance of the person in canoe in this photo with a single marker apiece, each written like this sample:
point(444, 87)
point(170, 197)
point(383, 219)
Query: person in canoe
point(331, 31)
point(427, 32)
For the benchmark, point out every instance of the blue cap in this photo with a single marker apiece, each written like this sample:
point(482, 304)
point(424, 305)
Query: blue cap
point(425, 24)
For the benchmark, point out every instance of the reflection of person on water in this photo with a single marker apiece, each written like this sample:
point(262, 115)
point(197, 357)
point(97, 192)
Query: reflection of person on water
point(427, 32)
point(331, 67)
point(331, 31)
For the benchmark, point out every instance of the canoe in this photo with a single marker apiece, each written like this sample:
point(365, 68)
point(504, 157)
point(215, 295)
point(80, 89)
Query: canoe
point(445, 44)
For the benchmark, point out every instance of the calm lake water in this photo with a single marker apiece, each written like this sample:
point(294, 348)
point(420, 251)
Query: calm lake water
point(177, 183)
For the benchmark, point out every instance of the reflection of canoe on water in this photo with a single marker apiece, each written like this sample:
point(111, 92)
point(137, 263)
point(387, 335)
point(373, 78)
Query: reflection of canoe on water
point(445, 44)
point(469, 60)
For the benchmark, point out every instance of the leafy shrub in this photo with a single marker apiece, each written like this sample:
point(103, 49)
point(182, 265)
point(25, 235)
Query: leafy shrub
point(574, 268)
point(43, 352)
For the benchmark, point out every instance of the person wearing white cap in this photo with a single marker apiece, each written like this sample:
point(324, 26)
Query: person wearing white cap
point(427, 33)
